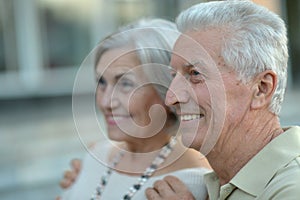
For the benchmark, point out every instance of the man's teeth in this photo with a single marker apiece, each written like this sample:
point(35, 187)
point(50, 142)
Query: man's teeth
point(190, 117)
point(118, 117)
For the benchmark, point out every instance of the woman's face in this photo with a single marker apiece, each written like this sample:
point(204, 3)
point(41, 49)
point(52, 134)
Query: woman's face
point(125, 97)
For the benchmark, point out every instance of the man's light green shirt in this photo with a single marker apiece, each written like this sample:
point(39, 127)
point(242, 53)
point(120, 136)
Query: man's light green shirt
point(274, 173)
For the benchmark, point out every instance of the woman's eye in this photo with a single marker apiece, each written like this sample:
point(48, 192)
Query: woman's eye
point(125, 85)
point(101, 83)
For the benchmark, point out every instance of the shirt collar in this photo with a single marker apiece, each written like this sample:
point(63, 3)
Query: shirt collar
point(212, 184)
point(256, 174)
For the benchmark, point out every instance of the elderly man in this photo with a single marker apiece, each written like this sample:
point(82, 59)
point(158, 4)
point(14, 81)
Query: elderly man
point(230, 68)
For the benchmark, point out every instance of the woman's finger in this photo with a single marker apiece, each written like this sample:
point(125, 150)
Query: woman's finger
point(76, 165)
point(152, 194)
point(163, 188)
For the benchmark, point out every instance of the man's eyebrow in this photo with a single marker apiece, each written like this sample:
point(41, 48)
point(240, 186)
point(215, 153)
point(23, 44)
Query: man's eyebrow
point(194, 64)
point(189, 64)
point(199, 65)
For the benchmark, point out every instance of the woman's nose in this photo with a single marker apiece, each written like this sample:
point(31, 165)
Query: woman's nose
point(108, 98)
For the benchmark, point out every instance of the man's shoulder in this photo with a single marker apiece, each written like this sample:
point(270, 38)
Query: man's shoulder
point(286, 182)
point(289, 173)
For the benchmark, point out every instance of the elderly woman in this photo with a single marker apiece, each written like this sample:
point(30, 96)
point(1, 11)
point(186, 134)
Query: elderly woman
point(133, 77)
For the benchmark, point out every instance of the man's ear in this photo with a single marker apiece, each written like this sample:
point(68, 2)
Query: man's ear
point(264, 86)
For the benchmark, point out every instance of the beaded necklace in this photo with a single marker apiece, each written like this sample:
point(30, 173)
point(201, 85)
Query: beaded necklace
point(158, 160)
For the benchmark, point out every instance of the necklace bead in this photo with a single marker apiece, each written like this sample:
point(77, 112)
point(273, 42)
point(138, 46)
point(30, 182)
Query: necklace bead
point(137, 186)
point(127, 197)
point(160, 158)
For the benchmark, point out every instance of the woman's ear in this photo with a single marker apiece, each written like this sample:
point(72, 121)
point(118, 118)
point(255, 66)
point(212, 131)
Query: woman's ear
point(263, 89)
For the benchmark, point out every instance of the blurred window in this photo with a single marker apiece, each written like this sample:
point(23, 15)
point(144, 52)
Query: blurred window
point(65, 32)
point(51, 38)
point(8, 50)
point(2, 58)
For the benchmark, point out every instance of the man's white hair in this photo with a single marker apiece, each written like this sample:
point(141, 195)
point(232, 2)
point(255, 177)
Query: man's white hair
point(254, 39)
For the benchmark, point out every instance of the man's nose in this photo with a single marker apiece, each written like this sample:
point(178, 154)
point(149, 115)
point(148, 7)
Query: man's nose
point(178, 91)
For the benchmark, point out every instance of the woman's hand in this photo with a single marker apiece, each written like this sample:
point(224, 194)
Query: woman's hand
point(71, 175)
point(170, 188)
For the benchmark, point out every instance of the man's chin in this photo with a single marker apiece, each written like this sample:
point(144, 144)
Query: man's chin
point(189, 142)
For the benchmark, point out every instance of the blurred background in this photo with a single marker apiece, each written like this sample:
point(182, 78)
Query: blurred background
point(42, 45)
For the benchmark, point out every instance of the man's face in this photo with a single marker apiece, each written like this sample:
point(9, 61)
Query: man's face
point(206, 93)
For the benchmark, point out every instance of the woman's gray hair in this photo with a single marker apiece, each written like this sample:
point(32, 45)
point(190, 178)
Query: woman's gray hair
point(153, 40)
point(254, 39)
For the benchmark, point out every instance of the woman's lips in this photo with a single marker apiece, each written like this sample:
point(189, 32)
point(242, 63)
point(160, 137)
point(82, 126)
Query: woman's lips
point(115, 119)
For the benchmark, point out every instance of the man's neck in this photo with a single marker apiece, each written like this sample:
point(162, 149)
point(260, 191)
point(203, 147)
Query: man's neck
point(229, 157)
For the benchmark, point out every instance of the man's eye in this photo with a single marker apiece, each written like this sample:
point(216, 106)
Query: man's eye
point(173, 74)
point(194, 73)
point(196, 76)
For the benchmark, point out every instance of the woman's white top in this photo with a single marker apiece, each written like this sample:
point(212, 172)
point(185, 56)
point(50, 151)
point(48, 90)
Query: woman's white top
point(118, 184)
